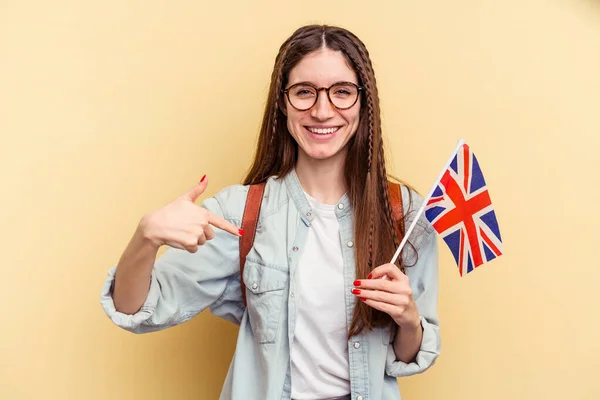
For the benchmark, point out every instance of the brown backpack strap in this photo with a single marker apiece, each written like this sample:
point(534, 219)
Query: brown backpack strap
point(249, 222)
point(395, 193)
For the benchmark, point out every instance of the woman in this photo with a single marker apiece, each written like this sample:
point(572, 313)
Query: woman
point(319, 322)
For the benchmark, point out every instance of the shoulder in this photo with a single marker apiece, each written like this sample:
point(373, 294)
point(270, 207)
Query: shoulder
point(230, 201)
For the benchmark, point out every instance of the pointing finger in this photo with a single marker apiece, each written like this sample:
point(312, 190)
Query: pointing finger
point(225, 225)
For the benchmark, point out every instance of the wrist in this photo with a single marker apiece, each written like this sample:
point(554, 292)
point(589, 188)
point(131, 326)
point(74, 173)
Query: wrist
point(411, 320)
point(412, 325)
point(145, 235)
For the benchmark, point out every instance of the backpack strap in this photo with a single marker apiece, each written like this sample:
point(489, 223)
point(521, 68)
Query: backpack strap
point(249, 222)
point(395, 193)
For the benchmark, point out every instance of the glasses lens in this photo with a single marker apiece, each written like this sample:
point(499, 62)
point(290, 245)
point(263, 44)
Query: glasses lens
point(302, 97)
point(343, 95)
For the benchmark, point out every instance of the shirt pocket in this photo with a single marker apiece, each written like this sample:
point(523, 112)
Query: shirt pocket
point(265, 299)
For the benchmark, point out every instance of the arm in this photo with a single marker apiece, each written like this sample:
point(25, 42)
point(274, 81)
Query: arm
point(408, 341)
point(411, 300)
point(197, 271)
point(423, 278)
point(134, 272)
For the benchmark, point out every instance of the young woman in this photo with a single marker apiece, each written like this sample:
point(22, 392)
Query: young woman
point(326, 316)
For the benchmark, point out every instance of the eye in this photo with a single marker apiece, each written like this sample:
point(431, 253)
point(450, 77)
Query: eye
point(302, 91)
point(343, 91)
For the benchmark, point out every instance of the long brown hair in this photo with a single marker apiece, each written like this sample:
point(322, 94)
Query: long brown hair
point(365, 173)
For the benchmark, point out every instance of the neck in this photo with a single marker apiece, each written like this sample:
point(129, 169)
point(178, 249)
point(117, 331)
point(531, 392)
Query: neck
point(322, 179)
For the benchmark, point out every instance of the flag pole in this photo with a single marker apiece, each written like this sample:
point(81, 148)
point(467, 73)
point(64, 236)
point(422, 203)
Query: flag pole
point(412, 225)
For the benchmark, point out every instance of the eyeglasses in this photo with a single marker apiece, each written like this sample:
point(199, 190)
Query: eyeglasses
point(303, 96)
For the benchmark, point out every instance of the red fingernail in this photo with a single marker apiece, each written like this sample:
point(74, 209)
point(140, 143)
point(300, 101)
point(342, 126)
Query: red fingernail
point(355, 291)
point(369, 277)
point(241, 231)
point(203, 178)
point(356, 283)
point(363, 298)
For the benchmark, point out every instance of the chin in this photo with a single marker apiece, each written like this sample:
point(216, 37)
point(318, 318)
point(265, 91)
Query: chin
point(322, 154)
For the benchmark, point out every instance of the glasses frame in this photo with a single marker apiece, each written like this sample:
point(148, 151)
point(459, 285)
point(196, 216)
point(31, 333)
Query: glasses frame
point(359, 89)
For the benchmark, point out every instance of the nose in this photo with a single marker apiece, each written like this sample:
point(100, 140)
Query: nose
point(323, 109)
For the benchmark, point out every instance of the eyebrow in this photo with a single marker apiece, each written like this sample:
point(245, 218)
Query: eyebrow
point(315, 85)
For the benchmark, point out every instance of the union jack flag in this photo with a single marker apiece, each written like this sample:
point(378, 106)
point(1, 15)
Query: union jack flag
point(461, 211)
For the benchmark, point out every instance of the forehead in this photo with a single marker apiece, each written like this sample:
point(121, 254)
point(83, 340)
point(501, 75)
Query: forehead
point(323, 67)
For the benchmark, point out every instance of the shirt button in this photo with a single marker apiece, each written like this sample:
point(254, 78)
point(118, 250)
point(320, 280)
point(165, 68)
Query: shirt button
point(308, 214)
point(350, 243)
point(341, 206)
point(295, 248)
point(356, 345)
point(292, 295)
point(254, 285)
point(359, 397)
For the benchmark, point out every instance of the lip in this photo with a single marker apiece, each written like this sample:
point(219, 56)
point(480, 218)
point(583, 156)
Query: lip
point(322, 137)
point(322, 126)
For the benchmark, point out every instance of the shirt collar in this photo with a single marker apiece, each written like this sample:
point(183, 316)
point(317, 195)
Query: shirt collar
point(307, 213)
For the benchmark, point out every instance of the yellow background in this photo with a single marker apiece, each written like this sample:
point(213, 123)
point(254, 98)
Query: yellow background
point(109, 109)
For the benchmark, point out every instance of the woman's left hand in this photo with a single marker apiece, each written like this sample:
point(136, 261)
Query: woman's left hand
point(391, 295)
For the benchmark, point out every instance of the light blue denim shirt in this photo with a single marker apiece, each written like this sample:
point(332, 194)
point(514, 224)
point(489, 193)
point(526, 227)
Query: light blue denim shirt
point(184, 284)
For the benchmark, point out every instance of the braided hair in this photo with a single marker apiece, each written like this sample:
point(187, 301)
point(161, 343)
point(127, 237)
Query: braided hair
point(365, 171)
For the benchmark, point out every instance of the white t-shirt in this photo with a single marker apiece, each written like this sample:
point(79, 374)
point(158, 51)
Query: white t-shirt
point(319, 353)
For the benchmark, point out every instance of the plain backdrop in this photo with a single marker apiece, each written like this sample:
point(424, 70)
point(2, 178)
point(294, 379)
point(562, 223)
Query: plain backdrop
point(110, 109)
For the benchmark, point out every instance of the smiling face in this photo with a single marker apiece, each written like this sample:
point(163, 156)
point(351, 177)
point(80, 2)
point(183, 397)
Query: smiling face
point(323, 131)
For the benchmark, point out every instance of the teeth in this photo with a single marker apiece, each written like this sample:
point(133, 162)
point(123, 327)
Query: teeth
point(323, 131)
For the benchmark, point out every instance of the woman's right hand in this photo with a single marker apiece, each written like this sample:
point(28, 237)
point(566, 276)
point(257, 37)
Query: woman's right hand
point(182, 224)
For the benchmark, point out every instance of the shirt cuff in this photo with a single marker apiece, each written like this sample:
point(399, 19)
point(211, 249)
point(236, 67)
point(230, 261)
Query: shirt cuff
point(130, 322)
point(428, 352)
